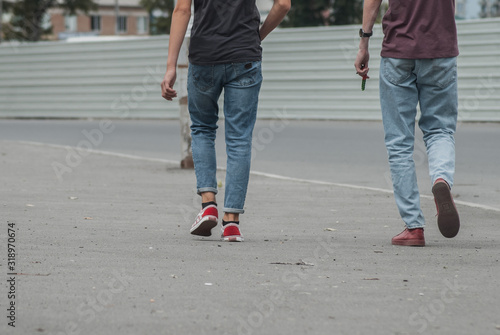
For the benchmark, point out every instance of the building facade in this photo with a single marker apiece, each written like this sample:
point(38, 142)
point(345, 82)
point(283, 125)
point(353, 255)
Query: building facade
point(490, 8)
point(132, 19)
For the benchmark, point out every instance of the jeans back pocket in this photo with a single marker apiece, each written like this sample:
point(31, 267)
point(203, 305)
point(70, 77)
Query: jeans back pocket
point(397, 70)
point(202, 76)
point(247, 74)
point(444, 71)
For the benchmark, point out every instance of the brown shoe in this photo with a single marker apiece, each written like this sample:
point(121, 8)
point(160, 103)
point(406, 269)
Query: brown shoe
point(448, 220)
point(411, 237)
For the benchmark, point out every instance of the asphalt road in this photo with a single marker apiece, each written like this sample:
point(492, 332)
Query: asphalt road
point(107, 250)
point(332, 151)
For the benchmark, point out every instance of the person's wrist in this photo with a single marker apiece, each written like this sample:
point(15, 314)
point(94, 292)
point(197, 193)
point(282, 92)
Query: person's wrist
point(365, 34)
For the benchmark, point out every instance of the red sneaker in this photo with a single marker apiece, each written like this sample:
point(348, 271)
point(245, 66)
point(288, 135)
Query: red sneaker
point(205, 221)
point(231, 233)
point(448, 220)
point(410, 237)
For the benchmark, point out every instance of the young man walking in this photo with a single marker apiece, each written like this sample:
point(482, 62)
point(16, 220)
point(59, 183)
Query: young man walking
point(418, 65)
point(224, 53)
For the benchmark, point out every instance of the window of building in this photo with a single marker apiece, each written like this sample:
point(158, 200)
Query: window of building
point(70, 22)
point(142, 24)
point(494, 10)
point(95, 22)
point(46, 21)
point(121, 24)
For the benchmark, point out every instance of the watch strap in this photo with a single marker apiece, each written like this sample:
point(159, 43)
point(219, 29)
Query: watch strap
point(363, 34)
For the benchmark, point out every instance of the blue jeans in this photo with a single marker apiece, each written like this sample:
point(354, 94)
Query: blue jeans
point(433, 84)
point(241, 83)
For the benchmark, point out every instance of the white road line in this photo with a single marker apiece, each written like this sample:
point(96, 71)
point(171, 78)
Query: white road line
point(258, 173)
point(320, 182)
point(102, 152)
point(376, 189)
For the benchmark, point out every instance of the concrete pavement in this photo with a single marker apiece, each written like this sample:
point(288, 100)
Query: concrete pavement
point(106, 249)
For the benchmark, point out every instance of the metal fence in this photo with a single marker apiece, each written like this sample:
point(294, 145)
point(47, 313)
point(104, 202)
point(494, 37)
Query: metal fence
point(308, 74)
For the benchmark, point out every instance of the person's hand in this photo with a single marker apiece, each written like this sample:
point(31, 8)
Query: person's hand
point(361, 63)
point(167, 91)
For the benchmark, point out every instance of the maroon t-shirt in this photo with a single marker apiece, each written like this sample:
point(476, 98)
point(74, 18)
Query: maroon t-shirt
point(418, 29)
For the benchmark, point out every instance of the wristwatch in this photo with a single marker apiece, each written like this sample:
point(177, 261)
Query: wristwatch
point(363, 34)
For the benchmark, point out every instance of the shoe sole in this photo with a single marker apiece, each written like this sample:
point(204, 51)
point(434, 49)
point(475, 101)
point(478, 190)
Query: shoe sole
point(232, 238)
point(204, 227)
point(448, 220)
point(410, 243)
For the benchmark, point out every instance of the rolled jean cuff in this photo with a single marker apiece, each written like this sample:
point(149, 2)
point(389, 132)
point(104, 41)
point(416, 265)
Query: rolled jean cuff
point(207, 189)
point(233, 210)
point(415, 226)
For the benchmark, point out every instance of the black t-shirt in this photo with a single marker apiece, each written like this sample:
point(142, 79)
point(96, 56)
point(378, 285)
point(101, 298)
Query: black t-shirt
point(225, 31)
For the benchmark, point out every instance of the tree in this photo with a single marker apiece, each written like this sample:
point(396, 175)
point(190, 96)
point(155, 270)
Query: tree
point(309, 13)
point(159, 24)
point(27, 16)
point(347, 12)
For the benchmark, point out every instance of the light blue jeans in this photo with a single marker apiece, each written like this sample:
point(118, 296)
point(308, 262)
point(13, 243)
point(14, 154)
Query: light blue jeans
point(433, 84)
point(241, 83)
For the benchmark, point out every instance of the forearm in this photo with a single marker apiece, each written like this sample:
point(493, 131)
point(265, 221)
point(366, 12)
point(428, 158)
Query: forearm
point(276, 15)
point(371, 9)
point(180, 21)
point(370, 12)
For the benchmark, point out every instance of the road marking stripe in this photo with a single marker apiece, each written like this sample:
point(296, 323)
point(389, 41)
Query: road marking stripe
point(258, 173)
point(102, 152)
point(376, 189)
